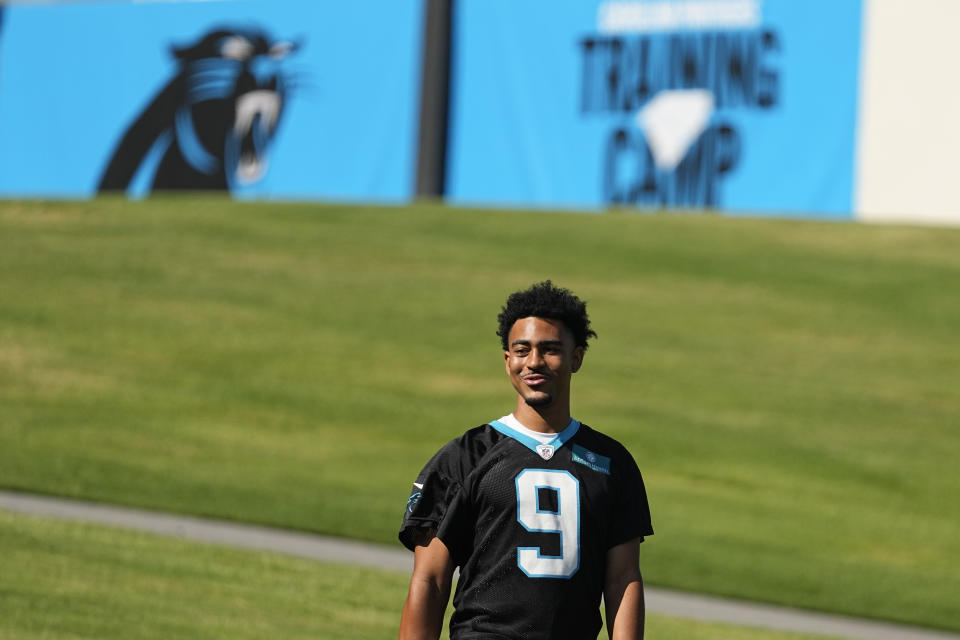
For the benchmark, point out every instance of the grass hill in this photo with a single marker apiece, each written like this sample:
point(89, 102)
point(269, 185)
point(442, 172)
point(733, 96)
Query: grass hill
point(788, 388)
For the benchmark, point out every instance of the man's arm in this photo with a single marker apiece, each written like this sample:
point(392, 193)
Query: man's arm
point(426, 603)
point(623, 592)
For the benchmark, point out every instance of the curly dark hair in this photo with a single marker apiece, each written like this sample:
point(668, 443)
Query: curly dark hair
point(544, 300)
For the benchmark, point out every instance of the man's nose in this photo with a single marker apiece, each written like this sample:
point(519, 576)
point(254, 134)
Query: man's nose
point(536, 359)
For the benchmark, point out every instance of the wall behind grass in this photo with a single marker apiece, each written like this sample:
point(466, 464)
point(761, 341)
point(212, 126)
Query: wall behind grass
point(739, 105)
point(750, 107)
point(269, 99)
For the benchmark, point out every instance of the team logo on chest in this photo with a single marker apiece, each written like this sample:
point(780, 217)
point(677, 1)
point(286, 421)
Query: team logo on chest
point(545, 451)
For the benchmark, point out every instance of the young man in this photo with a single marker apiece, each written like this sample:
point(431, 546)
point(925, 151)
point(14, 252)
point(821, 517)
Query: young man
point(541, 513)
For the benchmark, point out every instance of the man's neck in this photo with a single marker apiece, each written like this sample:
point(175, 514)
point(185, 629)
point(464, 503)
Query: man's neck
point(552, 418)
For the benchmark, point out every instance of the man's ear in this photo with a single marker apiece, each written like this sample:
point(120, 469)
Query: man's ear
point(577, 359)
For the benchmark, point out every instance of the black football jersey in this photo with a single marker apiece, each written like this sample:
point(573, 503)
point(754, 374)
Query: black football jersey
point(529, 526)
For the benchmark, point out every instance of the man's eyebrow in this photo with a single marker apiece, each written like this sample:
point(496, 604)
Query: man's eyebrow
point(551, 343)
point(543, 343)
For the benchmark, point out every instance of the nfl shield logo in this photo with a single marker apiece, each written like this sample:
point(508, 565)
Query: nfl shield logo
point(545, 451)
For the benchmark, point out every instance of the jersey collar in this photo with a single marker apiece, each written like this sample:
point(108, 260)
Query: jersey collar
point(531, 443)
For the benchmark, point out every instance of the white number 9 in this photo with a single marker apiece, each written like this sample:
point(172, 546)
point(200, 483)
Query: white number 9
point(565, 522)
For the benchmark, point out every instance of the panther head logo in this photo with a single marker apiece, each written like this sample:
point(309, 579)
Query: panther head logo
point(211, 126)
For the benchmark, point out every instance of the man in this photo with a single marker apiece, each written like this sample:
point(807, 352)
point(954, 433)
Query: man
point(541, 513)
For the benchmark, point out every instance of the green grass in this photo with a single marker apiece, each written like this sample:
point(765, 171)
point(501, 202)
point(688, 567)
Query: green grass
point(788, 388)
point(64, 580)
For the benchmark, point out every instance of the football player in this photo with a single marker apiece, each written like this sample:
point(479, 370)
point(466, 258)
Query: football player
point(542, 514)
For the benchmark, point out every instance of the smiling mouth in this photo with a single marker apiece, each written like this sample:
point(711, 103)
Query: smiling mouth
point(534, 380)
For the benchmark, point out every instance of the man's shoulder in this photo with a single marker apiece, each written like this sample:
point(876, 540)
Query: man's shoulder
point(600, 440)
point(481, 435)
point(604, 445)
point(466, 450)
point(482, 431)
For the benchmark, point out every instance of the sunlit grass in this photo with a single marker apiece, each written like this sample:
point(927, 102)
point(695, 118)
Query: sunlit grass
point(64, 580)
point(788, 388)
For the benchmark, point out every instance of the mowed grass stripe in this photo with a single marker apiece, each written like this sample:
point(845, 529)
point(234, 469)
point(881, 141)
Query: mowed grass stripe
point(788, 388)
point(71, 580)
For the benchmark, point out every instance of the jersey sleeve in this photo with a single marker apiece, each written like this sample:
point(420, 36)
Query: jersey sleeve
point(631, 512)
point(432, 495)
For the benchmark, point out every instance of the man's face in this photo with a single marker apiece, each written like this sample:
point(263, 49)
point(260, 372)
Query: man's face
point(540, 358)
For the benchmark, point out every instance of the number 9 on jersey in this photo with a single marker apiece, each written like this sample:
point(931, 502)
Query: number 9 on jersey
point(563, 521)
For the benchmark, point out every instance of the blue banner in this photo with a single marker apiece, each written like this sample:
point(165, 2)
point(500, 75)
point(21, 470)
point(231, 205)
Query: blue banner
point(737, 105)
point(263, 98)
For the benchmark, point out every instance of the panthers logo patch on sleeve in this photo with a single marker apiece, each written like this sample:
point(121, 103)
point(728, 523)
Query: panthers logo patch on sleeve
point(415, 496)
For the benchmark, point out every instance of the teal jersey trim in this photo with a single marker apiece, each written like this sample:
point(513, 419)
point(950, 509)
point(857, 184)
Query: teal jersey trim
point(532, 443)
point(590, 459)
